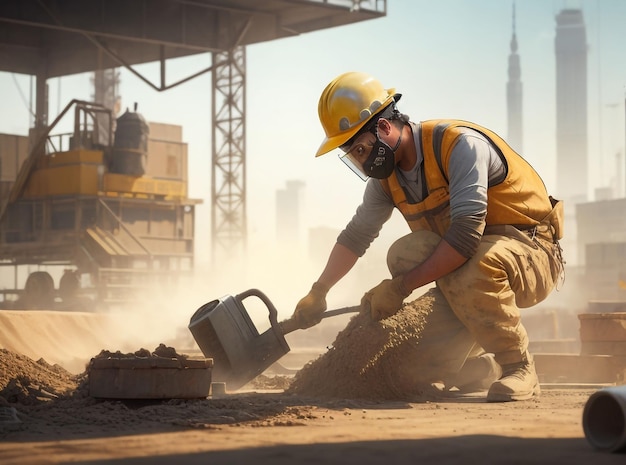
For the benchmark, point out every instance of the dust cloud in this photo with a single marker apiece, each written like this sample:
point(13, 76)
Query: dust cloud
point(283, 273)
point(161, 314)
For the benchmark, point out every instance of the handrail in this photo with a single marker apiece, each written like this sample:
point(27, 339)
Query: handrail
point(36, 152)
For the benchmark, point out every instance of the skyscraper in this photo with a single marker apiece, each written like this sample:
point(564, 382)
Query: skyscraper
point(288, 213)
point(571, 106)
point(514, 95)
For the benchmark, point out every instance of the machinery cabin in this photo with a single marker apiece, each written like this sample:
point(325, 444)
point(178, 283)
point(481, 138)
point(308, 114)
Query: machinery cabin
point(109, 215)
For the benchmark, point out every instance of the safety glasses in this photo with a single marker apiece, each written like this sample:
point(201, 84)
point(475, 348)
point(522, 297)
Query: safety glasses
point(355, 157)
point(355, 154)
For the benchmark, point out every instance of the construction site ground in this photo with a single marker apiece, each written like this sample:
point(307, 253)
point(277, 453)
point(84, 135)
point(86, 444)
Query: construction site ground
point(47, 417)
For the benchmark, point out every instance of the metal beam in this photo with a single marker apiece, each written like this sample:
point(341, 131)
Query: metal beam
point(67, 33)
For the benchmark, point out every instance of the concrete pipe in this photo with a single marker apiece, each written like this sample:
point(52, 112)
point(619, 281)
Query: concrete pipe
point(604, 419)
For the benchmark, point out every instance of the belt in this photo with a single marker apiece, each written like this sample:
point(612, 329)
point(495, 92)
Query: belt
point(542, 230)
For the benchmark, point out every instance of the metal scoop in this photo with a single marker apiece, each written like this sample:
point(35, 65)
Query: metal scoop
point(225, 332)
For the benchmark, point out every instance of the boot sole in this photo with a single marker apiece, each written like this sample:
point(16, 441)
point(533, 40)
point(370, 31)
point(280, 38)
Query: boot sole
point(513, 396)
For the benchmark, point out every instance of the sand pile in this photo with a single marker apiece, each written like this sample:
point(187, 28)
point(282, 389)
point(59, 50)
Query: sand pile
point(162, 351)
point(28, 382)
point(39, 400)
point(388, 360)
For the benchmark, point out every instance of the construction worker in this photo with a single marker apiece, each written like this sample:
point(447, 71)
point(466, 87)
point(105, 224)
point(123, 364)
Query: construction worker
point(497, 229)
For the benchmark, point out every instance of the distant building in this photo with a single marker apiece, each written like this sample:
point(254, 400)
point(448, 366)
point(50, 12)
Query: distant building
point(571, 124)
point(288, 213)
point(602, 248)
point(514, 95)
point(571, 106)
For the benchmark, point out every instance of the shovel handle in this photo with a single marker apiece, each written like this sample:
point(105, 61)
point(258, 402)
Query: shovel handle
point(290, 325)
point(341, 311)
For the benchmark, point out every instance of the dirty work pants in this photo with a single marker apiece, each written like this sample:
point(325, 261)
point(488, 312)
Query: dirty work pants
point(485, 294)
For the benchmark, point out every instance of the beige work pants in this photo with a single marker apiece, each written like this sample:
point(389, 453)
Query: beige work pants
point(507, 272)
point(444, 342)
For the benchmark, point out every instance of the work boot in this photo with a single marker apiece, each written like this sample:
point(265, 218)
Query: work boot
point(518, 382)
point(477, 374)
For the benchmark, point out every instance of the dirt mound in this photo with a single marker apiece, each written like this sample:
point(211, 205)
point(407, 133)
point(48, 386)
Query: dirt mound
point(28, 382)
point(162, 351)
point(386, 360)
point(40, 400)
point(25, 381)
point(263, 382)
point(363, 361)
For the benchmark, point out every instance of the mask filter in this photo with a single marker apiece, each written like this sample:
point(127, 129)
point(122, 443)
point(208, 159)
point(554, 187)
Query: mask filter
point(381, 161)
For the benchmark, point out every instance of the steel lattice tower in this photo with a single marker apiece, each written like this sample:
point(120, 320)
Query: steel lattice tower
point(228, 187)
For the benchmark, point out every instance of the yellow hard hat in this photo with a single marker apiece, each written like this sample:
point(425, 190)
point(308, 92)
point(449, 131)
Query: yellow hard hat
point(346, 104)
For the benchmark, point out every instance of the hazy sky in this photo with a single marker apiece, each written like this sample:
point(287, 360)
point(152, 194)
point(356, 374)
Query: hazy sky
point(449, 58)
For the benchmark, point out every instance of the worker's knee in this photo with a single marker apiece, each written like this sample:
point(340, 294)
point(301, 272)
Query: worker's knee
point(411, 250)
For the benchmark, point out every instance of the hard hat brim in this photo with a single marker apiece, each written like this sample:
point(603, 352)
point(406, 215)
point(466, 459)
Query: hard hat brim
point(331, 143)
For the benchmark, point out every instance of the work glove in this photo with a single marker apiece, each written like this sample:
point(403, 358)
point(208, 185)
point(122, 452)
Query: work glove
point(310, 308)
point(385, 299)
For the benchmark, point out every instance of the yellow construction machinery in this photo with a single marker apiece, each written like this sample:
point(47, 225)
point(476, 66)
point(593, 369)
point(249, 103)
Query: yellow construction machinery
point(106, 217)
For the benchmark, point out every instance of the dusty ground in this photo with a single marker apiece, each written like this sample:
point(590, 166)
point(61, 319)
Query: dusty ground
point(273, 428)
point(47, 416)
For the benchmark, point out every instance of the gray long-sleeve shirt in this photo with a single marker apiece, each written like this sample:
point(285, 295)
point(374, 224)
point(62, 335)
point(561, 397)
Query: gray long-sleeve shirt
point(474, 166)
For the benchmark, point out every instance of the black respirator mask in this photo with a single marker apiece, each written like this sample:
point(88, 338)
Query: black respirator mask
point(382, 160)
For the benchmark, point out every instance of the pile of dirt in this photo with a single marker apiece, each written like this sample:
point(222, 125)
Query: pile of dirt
point(162, 351)
point(41, 400)
point(28, 382)
point(276, 382)
point(380, 360)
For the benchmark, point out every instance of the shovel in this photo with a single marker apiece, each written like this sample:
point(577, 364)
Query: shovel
point(225, 332)
point(290, 325)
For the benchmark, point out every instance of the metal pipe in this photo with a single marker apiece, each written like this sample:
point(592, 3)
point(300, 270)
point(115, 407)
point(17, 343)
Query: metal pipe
point(604, 419)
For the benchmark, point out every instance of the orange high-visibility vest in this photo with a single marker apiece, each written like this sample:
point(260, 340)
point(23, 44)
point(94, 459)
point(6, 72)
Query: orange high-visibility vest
point(521, 199)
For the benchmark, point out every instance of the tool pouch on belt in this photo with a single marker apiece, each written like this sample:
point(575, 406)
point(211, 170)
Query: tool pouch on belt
point(555, 218)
